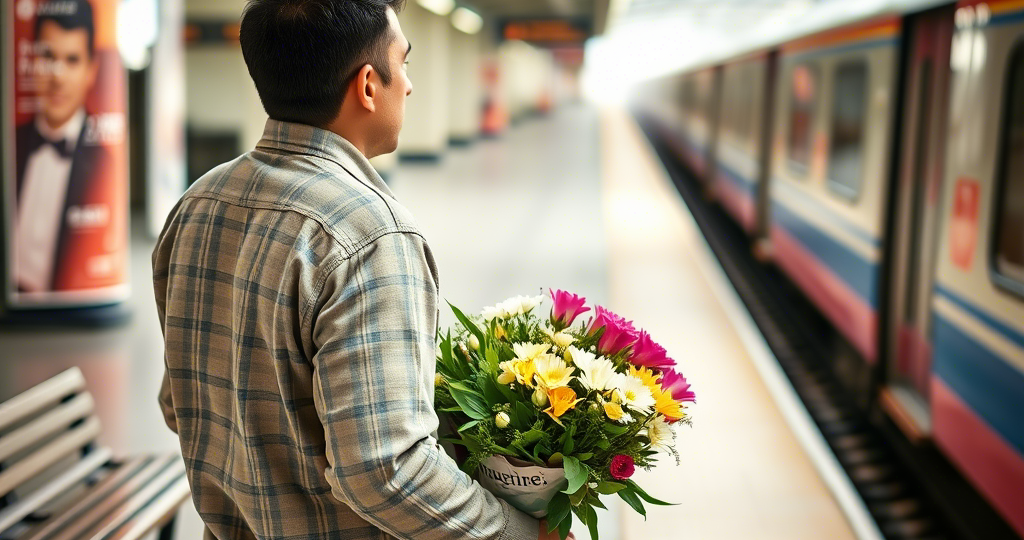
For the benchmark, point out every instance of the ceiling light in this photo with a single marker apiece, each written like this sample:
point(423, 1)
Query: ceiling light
point(467, 20)
point(441, 7)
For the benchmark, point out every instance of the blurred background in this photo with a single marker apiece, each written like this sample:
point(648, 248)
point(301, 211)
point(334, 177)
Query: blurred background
point(816, 205)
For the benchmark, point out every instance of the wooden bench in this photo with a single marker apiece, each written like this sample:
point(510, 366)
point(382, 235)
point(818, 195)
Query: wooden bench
point(57, 484)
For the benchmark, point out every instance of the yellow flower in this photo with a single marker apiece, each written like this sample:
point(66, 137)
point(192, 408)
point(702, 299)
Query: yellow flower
point(613, 411)
point(438, 379)
point(647, 376)
point(665, 405)
point(562, 399)
point(552, 372)
point(517, 370)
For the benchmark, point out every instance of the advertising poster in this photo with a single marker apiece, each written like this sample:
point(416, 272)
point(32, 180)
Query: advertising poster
point(65, 178)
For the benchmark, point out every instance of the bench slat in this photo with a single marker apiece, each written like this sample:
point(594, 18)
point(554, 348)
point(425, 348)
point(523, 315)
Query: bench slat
point(156, 513)
point(104, 506)
point(75, 439)
point(40, 397)
point(137, 501)
point(15, 513)
point(103, 490)
point(45, 426)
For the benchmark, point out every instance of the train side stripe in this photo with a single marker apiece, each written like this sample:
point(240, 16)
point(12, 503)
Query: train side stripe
point(985, 382)
point(860, 274)
point(983, 455)
point(737, 179)
point(844, 49)
point(1007, 18)
point(1006, 331)
point(810, 203)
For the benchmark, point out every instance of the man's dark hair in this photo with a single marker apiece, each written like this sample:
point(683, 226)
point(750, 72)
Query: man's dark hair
point(69, 15)
point(302, 54)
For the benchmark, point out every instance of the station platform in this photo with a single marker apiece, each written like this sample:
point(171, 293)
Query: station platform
point(575, 200)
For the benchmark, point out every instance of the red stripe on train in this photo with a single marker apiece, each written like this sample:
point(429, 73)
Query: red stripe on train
point(984, 456)
point(736, 201)
point(854, 317)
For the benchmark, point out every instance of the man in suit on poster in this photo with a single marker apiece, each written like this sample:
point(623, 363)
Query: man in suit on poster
point(58, 160)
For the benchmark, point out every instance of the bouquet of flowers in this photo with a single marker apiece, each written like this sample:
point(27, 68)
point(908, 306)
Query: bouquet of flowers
point(553, 416)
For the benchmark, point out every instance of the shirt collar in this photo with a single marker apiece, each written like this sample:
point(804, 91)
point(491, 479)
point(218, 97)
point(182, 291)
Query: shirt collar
point(69, 131)
point(303, 139)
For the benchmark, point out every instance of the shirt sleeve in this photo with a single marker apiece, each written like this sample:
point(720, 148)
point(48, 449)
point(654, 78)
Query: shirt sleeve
point(160, 263)
point(374, 329)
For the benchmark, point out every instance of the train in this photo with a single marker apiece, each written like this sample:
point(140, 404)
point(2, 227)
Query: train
point(879, 165)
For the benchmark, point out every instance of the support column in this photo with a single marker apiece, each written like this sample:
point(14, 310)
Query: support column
point(465, 102)
point(425, 134)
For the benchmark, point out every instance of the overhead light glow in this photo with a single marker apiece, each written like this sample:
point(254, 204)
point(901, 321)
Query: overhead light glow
point(466, 20)
point(441, 7)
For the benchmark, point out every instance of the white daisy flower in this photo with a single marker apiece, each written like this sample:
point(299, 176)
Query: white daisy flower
point(661, 435)
point(529, 351)
point(633, 393)
point(595, 373)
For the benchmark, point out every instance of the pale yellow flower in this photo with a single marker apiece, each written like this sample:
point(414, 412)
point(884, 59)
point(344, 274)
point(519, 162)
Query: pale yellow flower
point(632, 393)
point(552, 372)
point(529, 351)
point(517, 370)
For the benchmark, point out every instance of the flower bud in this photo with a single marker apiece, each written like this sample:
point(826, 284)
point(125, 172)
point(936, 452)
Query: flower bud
point(474, 343)
point(501, 420)
point(540, 397)
point(438, 379)
point(562, 340)
point(499, 331)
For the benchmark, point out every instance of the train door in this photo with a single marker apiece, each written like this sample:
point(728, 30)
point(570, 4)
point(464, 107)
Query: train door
point(915, 222)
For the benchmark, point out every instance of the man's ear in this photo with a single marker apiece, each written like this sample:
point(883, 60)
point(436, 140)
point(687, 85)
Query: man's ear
point(367, 88)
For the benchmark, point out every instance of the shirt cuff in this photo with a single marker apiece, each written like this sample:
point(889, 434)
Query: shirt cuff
point(518, 525)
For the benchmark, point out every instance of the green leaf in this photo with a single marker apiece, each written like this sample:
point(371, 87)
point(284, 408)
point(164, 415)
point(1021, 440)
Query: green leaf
point(525, 414)
point(558, 509)
point(472, 402)
point(595, 501)
point(469, 325)
point(468, 425)
point(633, 501)
point(564, 527)
point(612, 429)
point(609, 488)
point(490, 390)
point(532, 436)
point(602, 444)
point(575, 473)
point(576, 498)
point(451, 409)
point(592, 522)
point(584, 456)
point(492, 360)
point(643, 495)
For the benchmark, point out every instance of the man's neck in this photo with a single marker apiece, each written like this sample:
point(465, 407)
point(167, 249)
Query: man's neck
point(68, 131)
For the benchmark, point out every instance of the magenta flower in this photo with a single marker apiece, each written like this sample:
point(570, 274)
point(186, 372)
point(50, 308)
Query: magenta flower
point(676, 385)
point(567, 307)
point(618, 332)
point(647, 353)
point(622, 467)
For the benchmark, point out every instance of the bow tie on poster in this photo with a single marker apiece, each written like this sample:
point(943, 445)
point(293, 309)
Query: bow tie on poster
point(61, 146)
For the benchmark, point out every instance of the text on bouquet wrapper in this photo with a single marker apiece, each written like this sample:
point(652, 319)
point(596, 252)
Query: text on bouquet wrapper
point(514, 479)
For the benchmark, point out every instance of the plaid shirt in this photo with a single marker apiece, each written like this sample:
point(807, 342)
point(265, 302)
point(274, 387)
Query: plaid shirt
point(298, 303)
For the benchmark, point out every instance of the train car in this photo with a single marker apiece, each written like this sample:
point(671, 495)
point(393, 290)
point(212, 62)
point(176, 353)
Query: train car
point(892, 193)
point(832, 150)
point(741, 154)
point(976, 383)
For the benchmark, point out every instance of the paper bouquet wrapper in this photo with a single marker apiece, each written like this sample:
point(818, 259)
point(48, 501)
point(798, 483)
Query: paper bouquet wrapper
point(525, 486)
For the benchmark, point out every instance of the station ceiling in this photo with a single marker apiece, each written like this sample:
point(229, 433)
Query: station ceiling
point(596, 10)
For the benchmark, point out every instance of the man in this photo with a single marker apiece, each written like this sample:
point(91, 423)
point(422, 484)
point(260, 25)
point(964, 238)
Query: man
point(299, 306)
point(58, 169)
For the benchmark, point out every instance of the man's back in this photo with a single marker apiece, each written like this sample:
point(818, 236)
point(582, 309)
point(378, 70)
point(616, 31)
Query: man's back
point(299, 309)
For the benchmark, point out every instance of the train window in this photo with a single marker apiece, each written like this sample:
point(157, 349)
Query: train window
point(1009, 237)
point(803, 102)
point(849, 108)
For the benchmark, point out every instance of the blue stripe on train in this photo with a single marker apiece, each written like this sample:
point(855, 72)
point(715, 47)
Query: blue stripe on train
point(989, 385)
point(848, 48)
point(860, 274)
point(743, 183)
point(1011, 334)
point(1013, 17)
